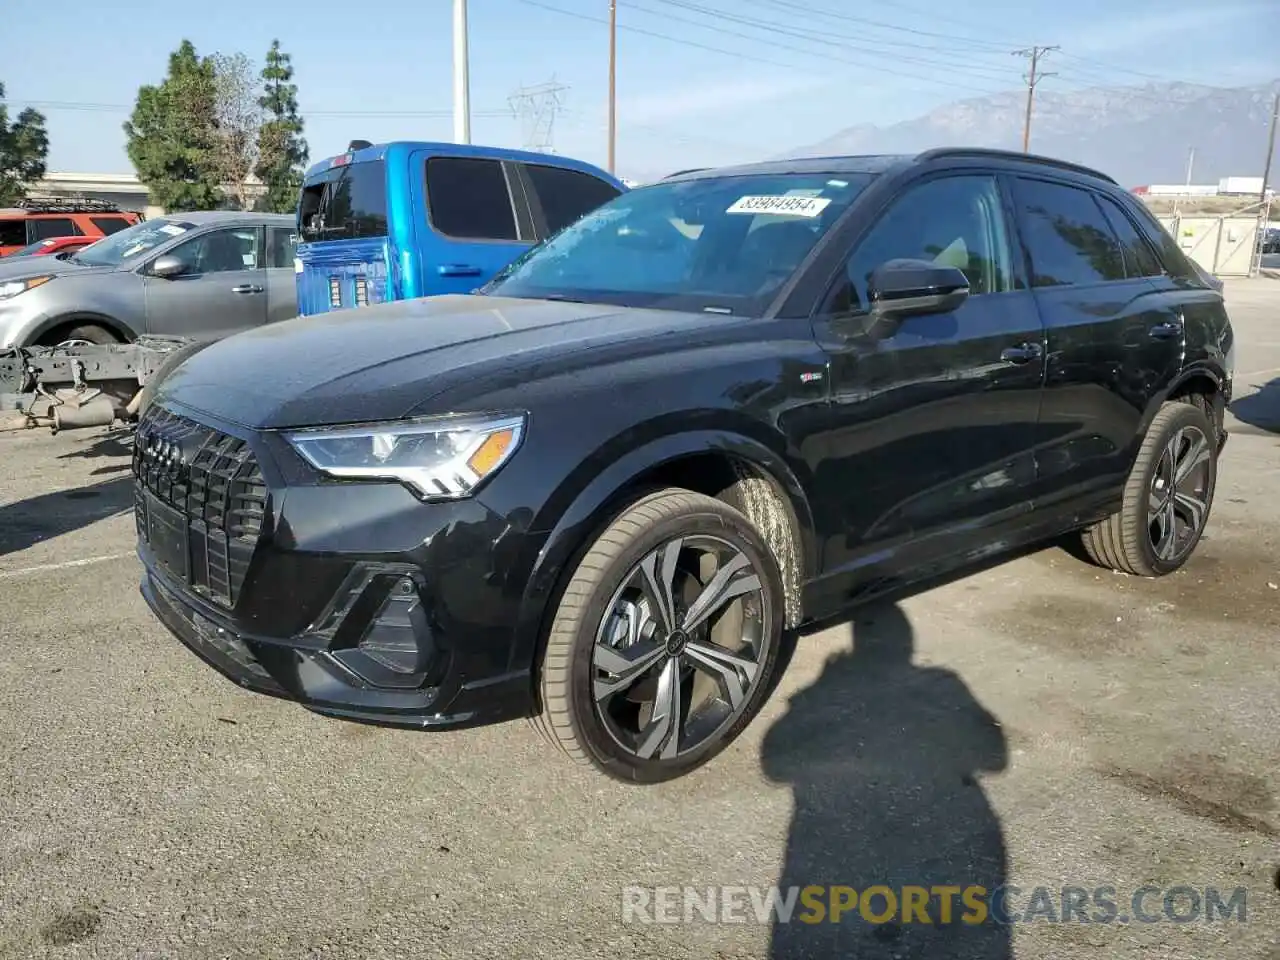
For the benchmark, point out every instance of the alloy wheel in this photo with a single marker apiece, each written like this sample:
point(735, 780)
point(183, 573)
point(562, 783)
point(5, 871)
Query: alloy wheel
point(1178, 503)
point(679, 650)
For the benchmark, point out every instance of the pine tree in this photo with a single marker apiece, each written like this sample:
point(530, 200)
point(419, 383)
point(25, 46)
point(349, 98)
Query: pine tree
point(24, 148)
point(172, 134)
point(282, 150)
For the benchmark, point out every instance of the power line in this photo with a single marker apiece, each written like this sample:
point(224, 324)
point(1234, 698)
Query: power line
point(1033, 78)
point(843, 42)
point(536, 108)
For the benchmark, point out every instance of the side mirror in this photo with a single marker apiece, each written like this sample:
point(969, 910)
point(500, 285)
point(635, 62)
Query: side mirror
point(908, 288)
point(168, 266)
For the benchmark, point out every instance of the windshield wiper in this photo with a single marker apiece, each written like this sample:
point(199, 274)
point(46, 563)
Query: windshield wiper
point(562, 298)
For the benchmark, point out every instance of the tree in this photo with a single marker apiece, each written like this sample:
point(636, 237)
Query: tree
point(24, 148)
point(282, 151)
point(238, 119)
point(173, 137)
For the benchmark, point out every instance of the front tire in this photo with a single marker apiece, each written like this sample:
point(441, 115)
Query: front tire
point(665, 641)
point(1167, 498)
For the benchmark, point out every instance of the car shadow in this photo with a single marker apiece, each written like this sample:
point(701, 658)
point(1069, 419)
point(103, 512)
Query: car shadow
point(883, 757)
point(1261, 408)
point(48, 515)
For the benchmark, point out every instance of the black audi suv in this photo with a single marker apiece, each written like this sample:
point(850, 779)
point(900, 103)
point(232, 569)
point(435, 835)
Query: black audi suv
point(598, 491)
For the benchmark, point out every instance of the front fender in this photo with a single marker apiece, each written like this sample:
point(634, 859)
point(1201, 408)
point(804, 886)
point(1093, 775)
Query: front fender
point(560, 545)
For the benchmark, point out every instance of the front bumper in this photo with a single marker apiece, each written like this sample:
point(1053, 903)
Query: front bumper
point(355, 600)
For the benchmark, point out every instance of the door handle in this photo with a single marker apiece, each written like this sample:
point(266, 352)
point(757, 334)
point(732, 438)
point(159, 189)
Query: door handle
point(1166, 331)
point(1022, 353)
point(247, 288)
point(458, 270)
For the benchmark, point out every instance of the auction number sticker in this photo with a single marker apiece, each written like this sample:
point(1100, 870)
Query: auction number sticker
point(793, 206)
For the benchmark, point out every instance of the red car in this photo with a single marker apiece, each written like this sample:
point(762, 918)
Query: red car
point(53, 245)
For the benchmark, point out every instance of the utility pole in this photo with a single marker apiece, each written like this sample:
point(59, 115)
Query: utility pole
point(461, 79)
point(1191, 159)
point(1033, 78)
point(613, 83)
point(1271, 149)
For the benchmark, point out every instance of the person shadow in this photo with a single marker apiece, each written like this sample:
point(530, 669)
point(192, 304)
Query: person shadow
point(883, 758)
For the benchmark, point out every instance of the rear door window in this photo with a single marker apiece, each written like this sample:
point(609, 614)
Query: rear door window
point(42, 228)
point(565, 195)
point(345, 203)
point(109, 225)
point(1139, 259)
point(468, 198)
point(1068, 238)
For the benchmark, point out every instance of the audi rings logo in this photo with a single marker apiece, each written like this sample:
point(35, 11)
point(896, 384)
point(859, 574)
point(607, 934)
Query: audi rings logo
point(166, 454)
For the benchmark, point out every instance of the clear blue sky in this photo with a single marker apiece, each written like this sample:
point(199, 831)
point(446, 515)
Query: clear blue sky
point(781, 73)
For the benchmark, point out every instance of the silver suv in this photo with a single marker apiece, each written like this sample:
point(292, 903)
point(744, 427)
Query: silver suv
point(200, 275)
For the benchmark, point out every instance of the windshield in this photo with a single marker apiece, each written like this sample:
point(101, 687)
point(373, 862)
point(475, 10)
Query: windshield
point(131, 242)
point(723, 243)
point(32, 248)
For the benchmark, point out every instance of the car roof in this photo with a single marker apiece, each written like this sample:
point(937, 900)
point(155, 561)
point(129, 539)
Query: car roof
point(886, 163)
point(379, 151)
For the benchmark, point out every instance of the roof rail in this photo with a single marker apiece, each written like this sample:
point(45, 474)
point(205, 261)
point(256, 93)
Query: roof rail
point(681, 173)
point(67, 205)
point(979, 152)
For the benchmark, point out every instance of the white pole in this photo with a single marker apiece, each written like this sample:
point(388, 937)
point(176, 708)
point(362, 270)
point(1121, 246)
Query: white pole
point(461, 80)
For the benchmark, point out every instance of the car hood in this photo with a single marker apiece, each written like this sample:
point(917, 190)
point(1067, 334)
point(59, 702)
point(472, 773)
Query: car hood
point(384, 361)
point(20, 268)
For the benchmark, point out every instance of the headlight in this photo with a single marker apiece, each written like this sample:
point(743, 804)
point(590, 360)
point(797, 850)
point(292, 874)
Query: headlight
point(12, 288)
point(442, 458)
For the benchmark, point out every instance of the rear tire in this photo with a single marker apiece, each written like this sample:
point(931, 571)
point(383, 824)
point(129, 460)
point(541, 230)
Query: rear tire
point(1167, 498)
point(644, 676)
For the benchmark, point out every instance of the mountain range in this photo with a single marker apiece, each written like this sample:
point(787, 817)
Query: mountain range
point(1138, 135)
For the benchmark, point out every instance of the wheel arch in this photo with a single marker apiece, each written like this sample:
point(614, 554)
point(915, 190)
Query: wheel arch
point(740, 469)
point(79, 318)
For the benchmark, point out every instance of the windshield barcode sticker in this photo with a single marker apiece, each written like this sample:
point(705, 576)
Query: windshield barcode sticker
point(173, 230)
point(793, 206)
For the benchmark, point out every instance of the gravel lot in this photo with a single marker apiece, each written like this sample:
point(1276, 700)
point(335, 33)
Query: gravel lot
point(1038, 723)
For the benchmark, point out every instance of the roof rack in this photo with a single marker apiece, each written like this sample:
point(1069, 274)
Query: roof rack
point(979, 152)
point(67, 205)
point(681, 173)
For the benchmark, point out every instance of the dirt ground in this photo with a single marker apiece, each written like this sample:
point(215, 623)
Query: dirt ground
point(1039, 724)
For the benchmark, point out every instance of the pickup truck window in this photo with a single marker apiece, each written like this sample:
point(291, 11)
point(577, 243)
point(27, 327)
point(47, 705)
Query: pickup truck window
point(565, 195)
point(347, 202)
point(469, 199)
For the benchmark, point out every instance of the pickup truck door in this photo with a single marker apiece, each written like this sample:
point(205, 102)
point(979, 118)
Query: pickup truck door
point(475, 220)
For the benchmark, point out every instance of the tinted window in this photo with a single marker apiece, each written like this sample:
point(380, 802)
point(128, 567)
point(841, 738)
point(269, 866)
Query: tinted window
point(1139, 260)
point(282, 244)
point(13, 233)
point(566, 195)
point(220, 251)
point(109, 225)
point(723, 244)
point(953, 221)
point(1174, 261)
point(1069, 240)
point(345, 203)
point(44, 227)
point(469, 198)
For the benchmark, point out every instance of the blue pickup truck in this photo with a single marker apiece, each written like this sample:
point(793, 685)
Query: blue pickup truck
point(400, 220)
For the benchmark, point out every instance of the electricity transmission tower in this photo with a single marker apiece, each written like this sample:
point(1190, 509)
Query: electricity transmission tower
point(1034, 76)
point(536, 108)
